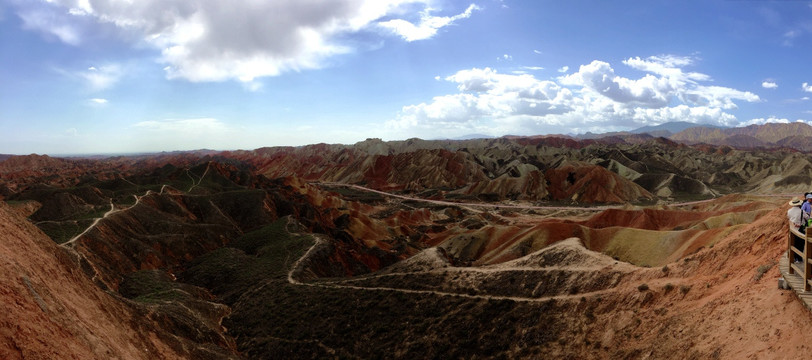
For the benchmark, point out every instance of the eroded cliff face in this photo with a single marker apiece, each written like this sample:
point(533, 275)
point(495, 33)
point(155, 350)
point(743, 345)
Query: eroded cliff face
point(52, 311)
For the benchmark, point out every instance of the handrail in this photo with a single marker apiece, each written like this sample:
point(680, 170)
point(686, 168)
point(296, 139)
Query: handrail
point(805, 253)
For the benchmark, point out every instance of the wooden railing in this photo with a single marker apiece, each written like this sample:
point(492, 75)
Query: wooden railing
point(805, 254)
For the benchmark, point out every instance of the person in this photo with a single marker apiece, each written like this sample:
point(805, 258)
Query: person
point(807, 206)
point(795, 213)
point(796, 220)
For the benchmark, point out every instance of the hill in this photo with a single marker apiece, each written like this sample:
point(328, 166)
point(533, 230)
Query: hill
point(793, 135)
point(51, 310)
point(520, 247)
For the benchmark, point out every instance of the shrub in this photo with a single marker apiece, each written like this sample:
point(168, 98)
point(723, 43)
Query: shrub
point(762, 270)
point(642, 287)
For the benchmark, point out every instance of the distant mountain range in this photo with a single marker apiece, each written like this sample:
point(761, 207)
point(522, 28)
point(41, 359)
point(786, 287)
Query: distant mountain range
point(796, 136)
point(662, 130)
point(671, 127)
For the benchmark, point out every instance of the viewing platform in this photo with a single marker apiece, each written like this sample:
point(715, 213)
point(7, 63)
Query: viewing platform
point(798, 276)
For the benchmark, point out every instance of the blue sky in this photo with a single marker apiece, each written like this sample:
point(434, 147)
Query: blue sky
point(92, 76)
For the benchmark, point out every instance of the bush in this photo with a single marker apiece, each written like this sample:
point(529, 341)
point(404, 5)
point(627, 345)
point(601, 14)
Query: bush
point(642, 287)
point(762, 270)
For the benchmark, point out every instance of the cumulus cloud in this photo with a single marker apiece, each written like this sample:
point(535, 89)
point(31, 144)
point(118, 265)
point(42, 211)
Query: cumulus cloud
point(594, 98)
point(98, 101)
point(665, 82)
point(485, 94)
point(806, 87)
point(245, 40)
point(427, 26)
point(563, 69)
point(762, 121)
point(769, 84)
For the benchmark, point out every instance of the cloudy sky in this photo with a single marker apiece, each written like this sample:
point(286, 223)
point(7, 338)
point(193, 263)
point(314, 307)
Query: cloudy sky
point(115, 76)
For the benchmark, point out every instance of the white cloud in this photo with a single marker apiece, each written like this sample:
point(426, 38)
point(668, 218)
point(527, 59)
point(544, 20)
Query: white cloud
point(98, 101)
point(598, 76)
point(789, 36)
point(594, 98)
point(244, 40)
point(51, 23)
point(656, 91)
point(537, 52)
point(485, 94)
point(428, 25)
point(806, 87)
point(102, 77)
point(533, 68)
point(769, 84)
point(505, 57)
point(563, 69)
point(762, 121)
point(667, 66)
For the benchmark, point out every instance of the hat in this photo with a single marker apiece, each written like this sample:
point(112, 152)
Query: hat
point(809, 196)
point(795, 202)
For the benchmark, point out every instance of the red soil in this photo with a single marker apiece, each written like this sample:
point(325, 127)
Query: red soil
point(52, 311)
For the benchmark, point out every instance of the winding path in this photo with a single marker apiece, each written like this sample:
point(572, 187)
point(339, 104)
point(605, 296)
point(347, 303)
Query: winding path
point(523, 207)
point(337, 284)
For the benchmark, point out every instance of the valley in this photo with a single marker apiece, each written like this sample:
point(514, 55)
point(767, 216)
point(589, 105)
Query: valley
point(487, 248)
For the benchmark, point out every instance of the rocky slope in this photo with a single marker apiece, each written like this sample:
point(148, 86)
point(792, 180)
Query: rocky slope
point(412, 249)
point(793, 135)
point(51, 310)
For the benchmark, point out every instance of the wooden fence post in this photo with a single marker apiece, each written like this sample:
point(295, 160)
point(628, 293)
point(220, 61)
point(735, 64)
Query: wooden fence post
point(807, 265)
point(790, 241)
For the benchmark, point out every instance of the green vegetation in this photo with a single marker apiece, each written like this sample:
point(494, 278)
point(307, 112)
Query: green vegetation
point(642, 287)
point(61, 232)
point(259, 256)
point(270, 315)
point(93, 214)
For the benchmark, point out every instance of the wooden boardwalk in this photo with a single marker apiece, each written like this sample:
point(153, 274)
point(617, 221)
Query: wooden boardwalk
point(795, 281)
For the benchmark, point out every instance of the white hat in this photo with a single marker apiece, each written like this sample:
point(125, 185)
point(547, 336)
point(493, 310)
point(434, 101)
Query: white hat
point(795, 202)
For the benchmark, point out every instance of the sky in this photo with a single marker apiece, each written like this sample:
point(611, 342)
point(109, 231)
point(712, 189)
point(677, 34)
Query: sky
point(125, 76)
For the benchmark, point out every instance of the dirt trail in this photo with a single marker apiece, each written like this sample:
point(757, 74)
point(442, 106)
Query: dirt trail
point(708, 305)
point(112, 210)
point(199, 180)
point(521, 207)
point(341, 284)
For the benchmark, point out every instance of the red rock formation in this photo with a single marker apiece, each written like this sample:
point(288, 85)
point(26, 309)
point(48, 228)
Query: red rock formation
point(52, 311)
point(591, 183)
